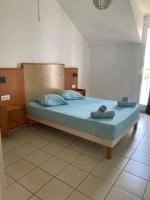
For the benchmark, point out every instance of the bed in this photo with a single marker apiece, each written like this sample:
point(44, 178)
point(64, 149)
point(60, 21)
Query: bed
point(74, 118)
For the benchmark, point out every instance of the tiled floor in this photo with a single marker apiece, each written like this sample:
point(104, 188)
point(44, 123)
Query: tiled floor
point(47, 164)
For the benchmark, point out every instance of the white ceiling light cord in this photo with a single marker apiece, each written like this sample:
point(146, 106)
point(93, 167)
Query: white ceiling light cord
point(39, 14)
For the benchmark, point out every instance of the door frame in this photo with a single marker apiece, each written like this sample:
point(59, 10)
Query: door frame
point(144, 40)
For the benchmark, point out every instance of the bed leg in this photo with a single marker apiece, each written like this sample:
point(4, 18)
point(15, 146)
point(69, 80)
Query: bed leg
point(109, 153)
point(29, 122)
point(135, 127)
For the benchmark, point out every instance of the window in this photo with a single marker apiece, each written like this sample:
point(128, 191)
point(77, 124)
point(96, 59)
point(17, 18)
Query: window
point(145, 88)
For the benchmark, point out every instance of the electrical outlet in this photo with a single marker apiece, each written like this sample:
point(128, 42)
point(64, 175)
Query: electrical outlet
point(74, 86)
point(5, 98)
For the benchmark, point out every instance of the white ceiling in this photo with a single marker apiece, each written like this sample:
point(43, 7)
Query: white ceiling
point(117, 23)
point(145, 6)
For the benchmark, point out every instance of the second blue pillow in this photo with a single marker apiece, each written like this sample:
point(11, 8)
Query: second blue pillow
point(71, 95)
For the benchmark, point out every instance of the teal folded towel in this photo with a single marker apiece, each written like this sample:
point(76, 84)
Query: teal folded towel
point(99, 114)
point(102, 108)
point(126, 104)
point(125, 99)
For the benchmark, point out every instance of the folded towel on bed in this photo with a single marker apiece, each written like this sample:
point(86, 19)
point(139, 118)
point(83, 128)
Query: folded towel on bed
point(125, 99)
point(126, 104)
point(102, 108)
point(99, 114)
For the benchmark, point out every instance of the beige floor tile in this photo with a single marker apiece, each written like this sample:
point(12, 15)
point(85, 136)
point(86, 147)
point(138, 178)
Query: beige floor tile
point(145, 127)
point(80, 145)
point(54, 142)
point(5, 150)
point(72, 176)
point(141, 157)
point(138, 169)
point(50, 134)
point(95, 188)
point(107, 173)
point(10, 158)
point(65, 140)
point(16, 192)
point(13, 143)
point(34, 198)
point(116, 161)
point(8, 180)
point(54, 166)
point(78, 196)
point(96, 151)
point(38, 157)
point(68, 155)
point(144, 148)
point(34, 180)
point(26, 134)
point(123, 151)
point(147, 193)
point(55, 190)
point(53, 148)
point(138, 135)
point(146, 140)
point(39, 143)
point(119, 194)
point(128, 143)
point(19, 169)
point(131, 184)
point(85, 163)
point(25, 150)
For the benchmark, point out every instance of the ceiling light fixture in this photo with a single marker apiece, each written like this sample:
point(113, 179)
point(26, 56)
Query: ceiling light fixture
point(101, 4)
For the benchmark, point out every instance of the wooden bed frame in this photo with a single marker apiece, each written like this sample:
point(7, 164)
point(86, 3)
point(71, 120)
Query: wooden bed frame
point(43, 78)
point(108, 143)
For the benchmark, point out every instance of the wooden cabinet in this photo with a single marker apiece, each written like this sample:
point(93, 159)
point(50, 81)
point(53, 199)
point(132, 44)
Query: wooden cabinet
point(10, 117)
point(14, 86)
point(71, 78)
point(2, 187)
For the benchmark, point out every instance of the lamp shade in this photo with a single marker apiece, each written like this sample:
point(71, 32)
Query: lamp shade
point(101, 4)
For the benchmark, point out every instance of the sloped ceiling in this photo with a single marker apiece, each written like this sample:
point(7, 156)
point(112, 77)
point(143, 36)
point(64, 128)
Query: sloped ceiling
point(117, 23)
point(145, 6)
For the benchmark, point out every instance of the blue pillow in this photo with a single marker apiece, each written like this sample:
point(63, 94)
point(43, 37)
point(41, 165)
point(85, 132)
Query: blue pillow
point(71, 95)
point(51, 100)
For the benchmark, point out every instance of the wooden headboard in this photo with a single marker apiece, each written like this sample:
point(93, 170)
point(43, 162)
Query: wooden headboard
point(40, 79)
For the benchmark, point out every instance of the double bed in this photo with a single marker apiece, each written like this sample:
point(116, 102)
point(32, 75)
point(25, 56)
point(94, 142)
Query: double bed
point(75, 117)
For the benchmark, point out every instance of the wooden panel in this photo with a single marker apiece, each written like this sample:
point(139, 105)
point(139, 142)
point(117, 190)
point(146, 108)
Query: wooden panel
point(70, 79)
point(4, 122)
point(42, 78)
point(14, 86)
point(2, 178)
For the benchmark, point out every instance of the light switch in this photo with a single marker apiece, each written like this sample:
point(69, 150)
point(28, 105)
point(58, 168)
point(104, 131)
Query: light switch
point(74, 86)
point(5, 98)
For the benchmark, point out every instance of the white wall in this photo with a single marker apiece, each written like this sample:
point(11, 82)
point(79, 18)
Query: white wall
point(54, 39)
point(116, 70)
